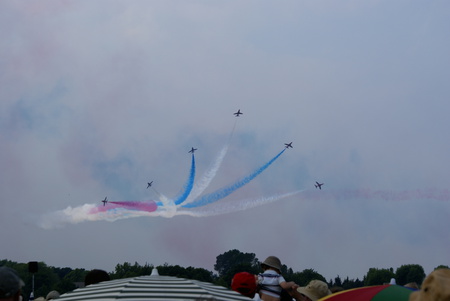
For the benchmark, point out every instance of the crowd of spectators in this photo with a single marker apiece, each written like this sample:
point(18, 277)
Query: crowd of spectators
point(269, 285)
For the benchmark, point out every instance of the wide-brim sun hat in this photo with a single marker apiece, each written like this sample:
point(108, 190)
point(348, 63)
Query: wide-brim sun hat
point(315, 290)
point(436, 286)
point(273, 262)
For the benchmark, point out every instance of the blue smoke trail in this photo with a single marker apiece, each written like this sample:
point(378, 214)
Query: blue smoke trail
point(189, 184)
point(211, 173)
point(224, 192)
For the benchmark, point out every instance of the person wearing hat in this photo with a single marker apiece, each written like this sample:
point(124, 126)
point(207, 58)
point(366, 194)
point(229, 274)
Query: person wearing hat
point(245, 284)
point(271, 282)
point(315, 290)
point(52, 295)
point(10, 285)
point(435, 287)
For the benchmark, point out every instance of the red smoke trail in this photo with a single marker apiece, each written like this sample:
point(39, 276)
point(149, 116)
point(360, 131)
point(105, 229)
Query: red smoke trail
point(149, 206)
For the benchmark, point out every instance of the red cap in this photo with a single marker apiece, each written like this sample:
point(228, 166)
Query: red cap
point(244, 283)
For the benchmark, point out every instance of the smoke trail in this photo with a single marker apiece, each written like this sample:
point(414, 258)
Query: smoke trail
point(114, 211)
point(385, 195)
point(84, 213)
point(224, 192)
point(209, 175)
point(164, 201)
point(80, 214)
point(189, 183)
point(149, 206)
point(233, 206)
point(161, 197)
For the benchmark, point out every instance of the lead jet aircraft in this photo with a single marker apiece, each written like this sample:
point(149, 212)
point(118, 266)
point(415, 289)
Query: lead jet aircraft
point(192, 150)
point(238, 113)
point(318, 185)
point(149, 184)
point(105, 201)
point(288, 145)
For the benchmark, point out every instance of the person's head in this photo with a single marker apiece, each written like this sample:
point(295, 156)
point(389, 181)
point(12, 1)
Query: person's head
point(244, 283)
point(435, 287)
point(272, 262)
point(315, 290)
point(412, 285)
point(96, 276)
point(52, 295)
point(10, 284)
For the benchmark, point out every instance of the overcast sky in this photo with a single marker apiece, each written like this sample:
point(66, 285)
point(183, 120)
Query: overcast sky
point(98, 98)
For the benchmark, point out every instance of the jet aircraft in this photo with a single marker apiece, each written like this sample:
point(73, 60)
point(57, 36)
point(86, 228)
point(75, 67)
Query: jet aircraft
point(288, 145)
point(238, 113)
point(318, 185)
point(149, 184)
point(192, 150)
point(105, 201)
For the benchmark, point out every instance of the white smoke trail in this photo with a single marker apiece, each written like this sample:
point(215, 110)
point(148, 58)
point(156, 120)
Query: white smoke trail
point(161, 196)
point(75, 215)
point(207, 177)
point(219, 208)
point(211, 173)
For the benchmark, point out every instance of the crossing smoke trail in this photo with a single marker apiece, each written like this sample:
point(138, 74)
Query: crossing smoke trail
point(211, 173)
point(224, 192)
point(164, 201)
point(166, 207)
point(189, 184)
point(207, 177)
point(114, 212)
point(233, 206)
point(91, 212)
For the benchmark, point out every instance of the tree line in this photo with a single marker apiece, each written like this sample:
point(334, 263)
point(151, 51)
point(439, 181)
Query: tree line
point(63, 280)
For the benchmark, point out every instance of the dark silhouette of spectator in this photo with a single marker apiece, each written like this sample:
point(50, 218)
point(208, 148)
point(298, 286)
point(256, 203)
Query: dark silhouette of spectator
point(10, 285)
point(52, 295)
point(435, 287)
point(271, 282)
point(412, 285)
point(244, 283)
point(96, 276)
point(315, 290)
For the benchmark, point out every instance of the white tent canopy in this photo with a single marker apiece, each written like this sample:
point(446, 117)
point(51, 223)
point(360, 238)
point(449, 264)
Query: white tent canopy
point(153, 287)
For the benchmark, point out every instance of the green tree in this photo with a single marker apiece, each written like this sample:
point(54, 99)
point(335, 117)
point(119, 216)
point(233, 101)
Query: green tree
point(348, 284)
point(188, 273)
point(45, 279)
point(409, 273)
point(64, 286)
point(227, 260)
point(126, 270)
point(378, 276)
point(76, 275)
point(225, 279)
point(337, 281)
point(61, 272)
point(441, 267)
point(199, 274)
point(304, 277)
